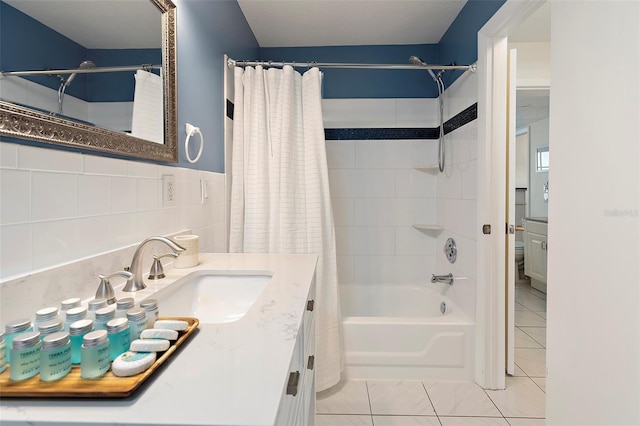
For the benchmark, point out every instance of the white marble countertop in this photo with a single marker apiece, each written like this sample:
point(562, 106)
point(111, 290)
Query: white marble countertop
point(225, 374)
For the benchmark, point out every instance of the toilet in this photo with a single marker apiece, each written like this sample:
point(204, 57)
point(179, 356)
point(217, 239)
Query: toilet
point(520, 276)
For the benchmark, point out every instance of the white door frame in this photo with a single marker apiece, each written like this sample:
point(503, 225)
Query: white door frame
point(510, 211)
point(492, 138)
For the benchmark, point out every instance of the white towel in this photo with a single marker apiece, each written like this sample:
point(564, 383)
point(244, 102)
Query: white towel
point(148, 107)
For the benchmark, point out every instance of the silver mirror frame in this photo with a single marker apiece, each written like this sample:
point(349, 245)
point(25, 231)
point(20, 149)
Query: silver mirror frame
point(25, 123)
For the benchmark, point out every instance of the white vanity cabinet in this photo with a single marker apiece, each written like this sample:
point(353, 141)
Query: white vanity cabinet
point(228, 373)
point(298, 401)
point(535, 252)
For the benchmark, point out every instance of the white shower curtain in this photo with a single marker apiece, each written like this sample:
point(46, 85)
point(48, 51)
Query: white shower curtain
point(280, 200)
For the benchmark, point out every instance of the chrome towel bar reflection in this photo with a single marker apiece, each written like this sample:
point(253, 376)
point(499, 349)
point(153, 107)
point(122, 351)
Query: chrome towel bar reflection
point(145, 67)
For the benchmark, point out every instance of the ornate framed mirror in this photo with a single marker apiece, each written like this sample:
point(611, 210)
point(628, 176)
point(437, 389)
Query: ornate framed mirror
point(94, 131)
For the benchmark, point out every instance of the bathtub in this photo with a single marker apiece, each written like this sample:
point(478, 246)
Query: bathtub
point(398, 332)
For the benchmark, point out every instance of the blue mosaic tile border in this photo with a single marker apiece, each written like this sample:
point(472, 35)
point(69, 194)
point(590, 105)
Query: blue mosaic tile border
point(462, 118)
point(229, 109)
point(381, 133)
point(459, 120)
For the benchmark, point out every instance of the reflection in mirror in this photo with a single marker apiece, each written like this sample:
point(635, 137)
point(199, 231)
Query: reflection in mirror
point(91, 74)
point(542, 159)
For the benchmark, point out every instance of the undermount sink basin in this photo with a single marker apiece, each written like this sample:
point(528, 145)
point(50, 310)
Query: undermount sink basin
point(212, 296)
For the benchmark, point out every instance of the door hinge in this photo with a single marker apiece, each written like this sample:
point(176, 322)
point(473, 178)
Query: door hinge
point(486, 229)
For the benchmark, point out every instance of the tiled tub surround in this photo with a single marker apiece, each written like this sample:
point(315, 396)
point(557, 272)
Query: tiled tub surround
point(59, 207)
point(219, 373)
point(377, 196)
point(456, 197)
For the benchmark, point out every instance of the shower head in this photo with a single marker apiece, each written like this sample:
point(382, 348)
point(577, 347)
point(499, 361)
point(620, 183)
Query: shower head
point(83, 65)
point(417, 61)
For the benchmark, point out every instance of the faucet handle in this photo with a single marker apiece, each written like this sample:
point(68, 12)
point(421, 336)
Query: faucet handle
point(105, 289)
point(157, 271)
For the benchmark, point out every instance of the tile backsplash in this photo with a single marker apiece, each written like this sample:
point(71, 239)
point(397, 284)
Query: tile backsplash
point(58, 207)
point(377, 195)
point(457, 196)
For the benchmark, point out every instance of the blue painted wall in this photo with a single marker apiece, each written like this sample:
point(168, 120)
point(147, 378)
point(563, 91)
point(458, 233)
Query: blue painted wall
point(206, 31)
point(209, 29)
point(42, 48)
point(117, 86)
point(459, 44)
point(358, 83)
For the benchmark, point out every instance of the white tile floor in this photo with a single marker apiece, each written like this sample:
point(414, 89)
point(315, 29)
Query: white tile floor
point(426, 403)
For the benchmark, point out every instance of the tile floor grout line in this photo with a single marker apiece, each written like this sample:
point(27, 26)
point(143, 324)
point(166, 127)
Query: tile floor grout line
point(493, 402)
point(526, 326)
point(366, 385)
point(430, 401)
point(544, 347)
point(531, 337)
point(527, 374)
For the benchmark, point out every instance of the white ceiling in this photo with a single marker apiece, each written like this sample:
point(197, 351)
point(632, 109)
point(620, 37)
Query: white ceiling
point(536, 28)
point(286, 23)
point(99, 24)
point(531, 106)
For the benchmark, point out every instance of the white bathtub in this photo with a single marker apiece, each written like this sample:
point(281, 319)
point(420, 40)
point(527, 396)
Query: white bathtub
point(398, 332)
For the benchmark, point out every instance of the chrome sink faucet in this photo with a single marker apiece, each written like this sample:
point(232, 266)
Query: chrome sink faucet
point(136, 282)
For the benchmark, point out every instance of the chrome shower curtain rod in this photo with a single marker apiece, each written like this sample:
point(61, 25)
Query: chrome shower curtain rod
point(145, 67)
point(233, 62)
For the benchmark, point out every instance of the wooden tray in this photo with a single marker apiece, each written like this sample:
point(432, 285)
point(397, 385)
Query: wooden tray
point(72, 385)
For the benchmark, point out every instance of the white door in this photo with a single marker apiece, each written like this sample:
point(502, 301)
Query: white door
point(510, 238)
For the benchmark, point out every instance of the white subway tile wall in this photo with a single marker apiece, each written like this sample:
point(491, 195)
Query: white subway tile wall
point(377, 195)
point(58, 206)
point(457, 197)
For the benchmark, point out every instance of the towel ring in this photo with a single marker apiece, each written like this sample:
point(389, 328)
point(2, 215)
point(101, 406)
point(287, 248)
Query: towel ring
point(192, 130)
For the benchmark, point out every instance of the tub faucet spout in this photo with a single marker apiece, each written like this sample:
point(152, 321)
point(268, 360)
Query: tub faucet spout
point(442, 278)
point(136, 282)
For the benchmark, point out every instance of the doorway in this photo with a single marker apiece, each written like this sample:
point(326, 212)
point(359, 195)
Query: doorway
point(493, 190)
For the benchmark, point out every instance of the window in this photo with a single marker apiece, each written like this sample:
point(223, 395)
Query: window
point(542, 159)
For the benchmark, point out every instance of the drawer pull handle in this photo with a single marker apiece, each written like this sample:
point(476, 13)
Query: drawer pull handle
point(292, 386)
point(310, 304)
point(311, 362)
